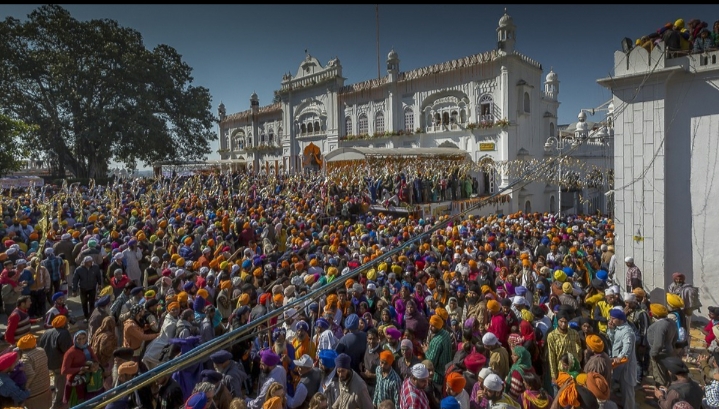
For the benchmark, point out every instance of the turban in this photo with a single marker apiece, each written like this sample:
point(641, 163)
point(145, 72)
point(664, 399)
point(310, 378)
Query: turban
point(203, 293)
point(196, 401)
point(639, 292)
point(226, 284)
point(450, 402)
point(675, 301)
point(352, 322)
point(128, 368)
point(602, 275)
point(420, 371)
point(581, 379)
point(568, 396)
point(150, 293)
point(173, 306)
point(278, 298)
point(322, 323)
point(27, 342)
point(273, 403)
point(436, 322)
point(244, 299)
point(527, 315)
point(493, 306)
point(431, 283)
point(7, 360)
point(59, 321)
point(393, 333)
point(595, 343)
point(456, 382)
point(679, 276)
point(493, 382)
point(630, 297)
point(57, 295)
point(618, 314)
point(560, 276)
point(567, 288)
point(269, 358)
point(343, 361)
point(182, 297)
point(598, 385)
point(442, 313)
point(520, 290)
point(474, 362)
point(658, 310)
point(387, 356)
point(327, 357)
point(489, 339)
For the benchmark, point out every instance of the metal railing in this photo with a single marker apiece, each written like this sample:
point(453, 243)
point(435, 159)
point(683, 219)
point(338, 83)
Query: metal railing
point(203, 351)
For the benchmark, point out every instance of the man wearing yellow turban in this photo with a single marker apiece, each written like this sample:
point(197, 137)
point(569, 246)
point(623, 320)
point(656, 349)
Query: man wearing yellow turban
point(662, 335)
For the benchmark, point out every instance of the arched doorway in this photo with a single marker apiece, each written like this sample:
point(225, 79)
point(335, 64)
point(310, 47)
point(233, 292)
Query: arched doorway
point(528, 207)
point(312, 158)
point(552, 205)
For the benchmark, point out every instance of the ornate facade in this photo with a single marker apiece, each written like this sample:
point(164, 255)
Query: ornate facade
point(496, 105)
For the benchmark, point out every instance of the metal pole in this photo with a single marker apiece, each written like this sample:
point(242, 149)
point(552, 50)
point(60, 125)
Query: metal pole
point(559, 178)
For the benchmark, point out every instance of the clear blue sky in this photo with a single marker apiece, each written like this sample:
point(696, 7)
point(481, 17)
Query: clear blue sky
point(237, 49)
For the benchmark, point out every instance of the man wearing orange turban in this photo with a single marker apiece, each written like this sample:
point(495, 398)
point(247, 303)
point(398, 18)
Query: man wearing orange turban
point(596, 359)
point(439, 350)
point(598, 386)
point(455, 387)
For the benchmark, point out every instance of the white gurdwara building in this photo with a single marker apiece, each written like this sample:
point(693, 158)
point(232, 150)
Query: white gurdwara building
point(496, 106)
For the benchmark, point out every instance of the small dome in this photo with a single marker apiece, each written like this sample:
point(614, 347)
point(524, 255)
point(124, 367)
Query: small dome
point(254, 96)
point(392, 55)
point(582, 116)
point(506, 20)
point(552, 76)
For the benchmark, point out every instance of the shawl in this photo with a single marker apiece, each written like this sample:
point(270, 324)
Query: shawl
point(188, 376)
point(524, 363)
point(535, 400)
point(526, 331)
point(417, 323)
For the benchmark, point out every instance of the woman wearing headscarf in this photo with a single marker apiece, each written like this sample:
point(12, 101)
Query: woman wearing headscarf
point(533, 396)
point(415, 321)
point(104, 341)
point(78, 361)
point(521, 366)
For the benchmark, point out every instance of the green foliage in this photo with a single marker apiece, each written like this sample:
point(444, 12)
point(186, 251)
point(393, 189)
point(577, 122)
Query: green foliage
point(97, 93)
point(13, 134)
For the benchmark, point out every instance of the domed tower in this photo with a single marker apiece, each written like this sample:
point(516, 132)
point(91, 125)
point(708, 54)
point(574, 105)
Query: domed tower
point(221, 111)
point(254, 100)
point(393, 65)
point(551, 85)
point(506, 35)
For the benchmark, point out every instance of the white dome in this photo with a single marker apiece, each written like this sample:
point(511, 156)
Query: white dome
point(506, 20)
point(552, 76)
point(254, 96)
point(582, 116)
point(392, 55)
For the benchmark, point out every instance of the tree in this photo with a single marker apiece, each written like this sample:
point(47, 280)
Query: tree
point(96, 93)
point(12, 135)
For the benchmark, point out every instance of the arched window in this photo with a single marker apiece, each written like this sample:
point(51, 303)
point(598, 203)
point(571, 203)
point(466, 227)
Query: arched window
point(249, 141)
point(310, 128)
point(485, 108)
point(463, 116)
point(262, 138)
point(526, 102)
point(528, 207)
point(408, 120)
point(303, 129)
point(437, 119)
point(271, 136)
point(445, 118)
point(348, 126)
point(551, 129)
point(552, 204)
point(379, 123)
point(363, 124)
point(317, 126)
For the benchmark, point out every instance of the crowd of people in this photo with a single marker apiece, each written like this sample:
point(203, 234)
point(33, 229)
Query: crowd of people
point(681, 39)
point(525, 311)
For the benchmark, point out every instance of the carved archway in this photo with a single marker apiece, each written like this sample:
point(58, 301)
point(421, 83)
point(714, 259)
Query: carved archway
point(312, 157)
